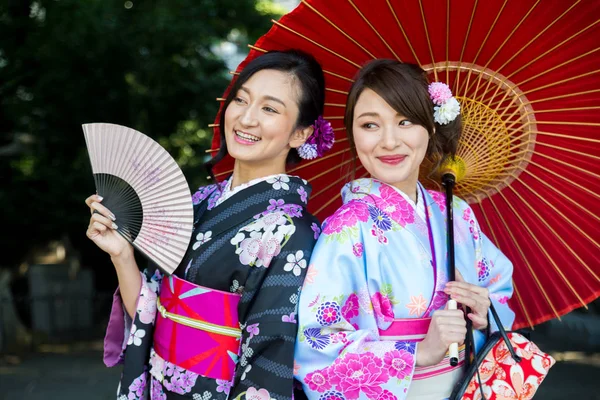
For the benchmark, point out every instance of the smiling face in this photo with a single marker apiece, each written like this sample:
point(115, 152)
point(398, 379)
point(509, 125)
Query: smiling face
point(260, 122)
point(389, 146)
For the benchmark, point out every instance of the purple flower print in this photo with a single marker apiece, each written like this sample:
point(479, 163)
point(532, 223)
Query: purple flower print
point(410, 347)
point(381, 219)
point(224, 386)
point(346, 216)
point(202, 193)
point(328, 313)
point(350, 308)
point(316, 339)
point(253, 330)
point(393, 204)
point(355, 373)
point(136, 389)
point(387, 395)
point(303, 194)
point(399, 363)
point(293, 210)
point(289, 318)
point(358, 249)
point(187, 380)
point(332, 395)
point(157, 391)
point(275, 205)
point(318, 380)
point(483, 270)
point(315, 228)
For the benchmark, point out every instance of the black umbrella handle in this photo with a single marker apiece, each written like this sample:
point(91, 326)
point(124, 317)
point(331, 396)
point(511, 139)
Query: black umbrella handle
point(448, 181)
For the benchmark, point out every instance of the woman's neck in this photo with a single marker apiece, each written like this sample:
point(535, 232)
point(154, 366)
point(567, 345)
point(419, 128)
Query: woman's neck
point(244, 172)
point(408, 188)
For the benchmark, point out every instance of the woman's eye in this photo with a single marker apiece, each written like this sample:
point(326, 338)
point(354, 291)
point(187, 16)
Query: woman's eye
point(405, 122)
point(369, 125)
point(238, 100)
point(270, 110)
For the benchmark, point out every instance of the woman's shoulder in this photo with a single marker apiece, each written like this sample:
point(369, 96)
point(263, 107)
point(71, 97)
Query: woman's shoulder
point(352, 214)
point(204, 192)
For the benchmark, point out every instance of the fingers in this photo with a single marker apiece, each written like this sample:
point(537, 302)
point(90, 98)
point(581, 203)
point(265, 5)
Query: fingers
point(95, 206)
point(478, 320)
point(101, 219)
point(464, 286)
point(93, 198)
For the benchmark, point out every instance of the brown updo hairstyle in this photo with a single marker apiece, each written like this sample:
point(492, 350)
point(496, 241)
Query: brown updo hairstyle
point(404, 87)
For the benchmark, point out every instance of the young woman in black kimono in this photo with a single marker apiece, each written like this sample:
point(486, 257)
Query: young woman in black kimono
point(224, 324)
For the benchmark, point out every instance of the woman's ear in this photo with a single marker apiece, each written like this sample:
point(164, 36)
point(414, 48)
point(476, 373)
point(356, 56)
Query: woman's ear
point(300, 136)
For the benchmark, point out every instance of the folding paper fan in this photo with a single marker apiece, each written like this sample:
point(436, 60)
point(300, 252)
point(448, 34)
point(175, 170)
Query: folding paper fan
point(145, 189)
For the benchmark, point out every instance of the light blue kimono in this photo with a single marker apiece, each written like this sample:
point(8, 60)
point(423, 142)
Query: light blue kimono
point(372, 264)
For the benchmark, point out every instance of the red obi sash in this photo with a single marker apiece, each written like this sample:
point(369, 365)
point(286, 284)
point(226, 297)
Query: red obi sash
point(197, 328)
point(414, 330)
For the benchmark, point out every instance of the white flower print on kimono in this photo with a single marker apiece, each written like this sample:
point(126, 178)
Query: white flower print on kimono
point(202, 238)
point(296, 263)
point(279, 182)
point(136, 335)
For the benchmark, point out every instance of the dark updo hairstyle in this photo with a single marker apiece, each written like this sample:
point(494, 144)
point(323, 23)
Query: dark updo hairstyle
point(304, 69)
point(404, 87)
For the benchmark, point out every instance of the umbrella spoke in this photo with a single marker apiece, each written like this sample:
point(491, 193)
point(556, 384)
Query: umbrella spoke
point(556, 210)
point(374, 30)
point(522, 306)
point(564, 96)
point(588, 191)
point(505, 79)
point(570, 137)
point(524, 257)
point(500, 48)
point(569, 165)
point(338, 28)
point(315, 43)
point(336, 197)
point(466, 84)
point(529, 43)
point(539, 245)
point(408, 42)
point(556, 234)
point(579, 153)
point(462, 52)
point(428, 40)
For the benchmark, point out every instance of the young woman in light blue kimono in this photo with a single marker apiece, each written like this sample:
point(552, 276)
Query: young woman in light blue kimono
point(373, 319)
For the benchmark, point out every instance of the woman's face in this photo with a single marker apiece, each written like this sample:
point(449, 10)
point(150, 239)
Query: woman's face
point(389, 146)
point(260, 121)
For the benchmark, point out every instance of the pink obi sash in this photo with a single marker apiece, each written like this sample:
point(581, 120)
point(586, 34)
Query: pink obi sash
point(414, 330)
point(197, 328)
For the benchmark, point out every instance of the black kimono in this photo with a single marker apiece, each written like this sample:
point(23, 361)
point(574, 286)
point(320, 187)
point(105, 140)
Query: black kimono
point(257, 243)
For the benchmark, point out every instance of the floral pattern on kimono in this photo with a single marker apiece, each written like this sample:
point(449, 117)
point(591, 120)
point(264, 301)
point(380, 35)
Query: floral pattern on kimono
point(256, 243)
point(374, 263)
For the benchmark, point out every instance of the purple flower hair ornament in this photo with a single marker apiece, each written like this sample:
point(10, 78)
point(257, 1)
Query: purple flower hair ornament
point(319, 142)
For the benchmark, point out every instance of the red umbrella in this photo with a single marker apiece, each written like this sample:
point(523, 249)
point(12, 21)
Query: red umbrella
point(527, 74)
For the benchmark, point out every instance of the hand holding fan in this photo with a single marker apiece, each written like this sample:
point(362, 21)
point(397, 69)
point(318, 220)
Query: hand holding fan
point(145, 189)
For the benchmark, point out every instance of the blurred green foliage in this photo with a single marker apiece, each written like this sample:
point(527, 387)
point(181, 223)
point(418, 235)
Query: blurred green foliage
point(146, 64)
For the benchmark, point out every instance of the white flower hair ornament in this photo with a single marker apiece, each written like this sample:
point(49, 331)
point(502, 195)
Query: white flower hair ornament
point(446, 107)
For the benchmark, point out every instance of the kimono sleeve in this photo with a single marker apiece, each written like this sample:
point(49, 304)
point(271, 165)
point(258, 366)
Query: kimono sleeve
point(120, 324)
point(493, 270)
point(339, 351)
point(499, 283)
point(265, 366)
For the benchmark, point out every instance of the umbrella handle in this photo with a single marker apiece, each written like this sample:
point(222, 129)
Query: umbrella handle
point(448, 179)
point(453, 350)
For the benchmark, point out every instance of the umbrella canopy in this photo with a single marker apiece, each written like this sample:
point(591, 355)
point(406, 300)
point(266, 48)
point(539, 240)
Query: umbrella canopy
point(527, 75)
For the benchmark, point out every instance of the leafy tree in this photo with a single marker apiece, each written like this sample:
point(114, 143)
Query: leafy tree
point(147, 64)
